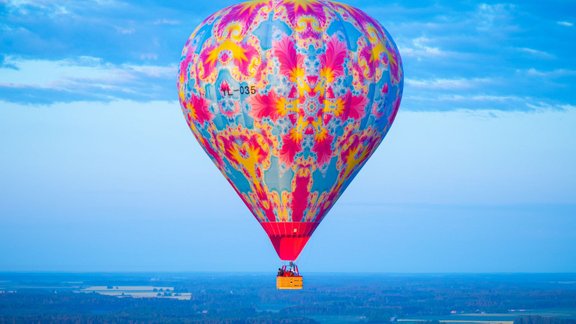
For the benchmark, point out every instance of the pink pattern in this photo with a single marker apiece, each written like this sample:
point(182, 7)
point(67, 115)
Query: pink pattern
point(353, 106)
point(285, 51)
point(323, 149)
point(290, 147)
point(265, 106)
point(198, 108)
point(298, 8)
point(244, 13)
point(300, 196)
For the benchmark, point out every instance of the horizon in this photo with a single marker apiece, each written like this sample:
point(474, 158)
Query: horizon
point(271, 273)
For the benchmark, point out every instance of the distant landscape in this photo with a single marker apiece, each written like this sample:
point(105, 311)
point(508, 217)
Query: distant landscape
point(252, 298)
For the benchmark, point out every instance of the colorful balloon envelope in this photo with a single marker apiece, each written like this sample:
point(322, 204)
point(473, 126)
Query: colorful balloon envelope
point(290, 98)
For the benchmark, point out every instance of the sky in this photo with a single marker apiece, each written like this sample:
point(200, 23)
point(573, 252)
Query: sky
point(99, 171)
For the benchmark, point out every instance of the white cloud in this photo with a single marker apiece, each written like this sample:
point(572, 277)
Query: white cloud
point(27, 7)
point(155, 70)
point(23, 3)
point(549, 74)
point(172, 22)
point(536, 53)
point(481, 98)
point(61, 74)
point(126, 30)
point(61, 11)
point(74, 74)
point(448, 84)
point(565, 23)
point(495, 16)
point(541, 105)
point(483, 102)
point(148, 56)
point(422, 47)
point(106, 3)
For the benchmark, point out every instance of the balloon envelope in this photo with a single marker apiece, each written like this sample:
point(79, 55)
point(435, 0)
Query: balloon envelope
point(289, 98)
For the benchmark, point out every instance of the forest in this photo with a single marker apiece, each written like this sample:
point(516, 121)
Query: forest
point(252, 298)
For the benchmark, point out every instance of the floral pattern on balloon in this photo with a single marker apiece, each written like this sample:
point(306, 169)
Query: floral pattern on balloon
point(290, 98)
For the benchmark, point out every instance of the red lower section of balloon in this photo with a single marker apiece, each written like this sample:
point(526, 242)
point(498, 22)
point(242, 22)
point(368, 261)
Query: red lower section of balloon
point(289, 238)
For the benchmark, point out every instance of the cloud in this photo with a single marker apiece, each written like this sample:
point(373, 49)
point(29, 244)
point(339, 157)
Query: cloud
point(149, 56)
point(172, 22)
point(35, 7)
point(44, 4)
point(565, 23)
point(542, 105)
point(536, 53)
point(126, 30)
point(89, 76)
point(483, 98)
point(61, 74)
point(449, 84)
point(421, 47)
point(154, 70)
point(483, 102)
point(117, 31)
point(549, 74)
point(448, 49)
point(490, 17)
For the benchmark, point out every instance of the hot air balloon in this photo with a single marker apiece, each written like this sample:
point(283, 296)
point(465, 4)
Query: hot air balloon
point(289, 98)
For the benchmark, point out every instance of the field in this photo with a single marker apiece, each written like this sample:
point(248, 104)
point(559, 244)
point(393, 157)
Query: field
point(136, 292)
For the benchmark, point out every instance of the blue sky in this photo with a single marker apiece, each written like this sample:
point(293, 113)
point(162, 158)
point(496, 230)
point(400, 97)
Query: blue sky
point(99, 172)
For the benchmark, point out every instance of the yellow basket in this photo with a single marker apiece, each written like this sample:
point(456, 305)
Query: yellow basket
point(295, 282)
